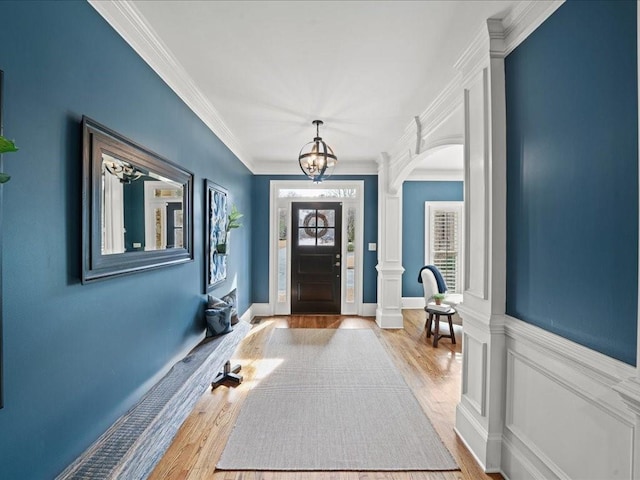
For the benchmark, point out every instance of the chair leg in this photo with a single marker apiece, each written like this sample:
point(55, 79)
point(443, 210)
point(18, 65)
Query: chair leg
point(429, 324)
point(453, 336)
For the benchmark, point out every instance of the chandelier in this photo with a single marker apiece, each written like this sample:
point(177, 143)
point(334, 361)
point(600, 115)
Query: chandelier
point(316, 158)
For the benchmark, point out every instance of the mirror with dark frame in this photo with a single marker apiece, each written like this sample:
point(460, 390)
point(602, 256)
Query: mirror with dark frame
point(137, 206)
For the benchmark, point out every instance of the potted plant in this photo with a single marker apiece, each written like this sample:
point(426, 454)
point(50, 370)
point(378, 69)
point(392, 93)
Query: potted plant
point(232, 222)
point(438, 297)
point(6, 146)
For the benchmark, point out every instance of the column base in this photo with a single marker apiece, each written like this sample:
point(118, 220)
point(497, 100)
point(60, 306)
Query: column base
point(389, 319)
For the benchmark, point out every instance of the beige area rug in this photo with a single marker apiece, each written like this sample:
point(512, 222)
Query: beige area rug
point(334, 401)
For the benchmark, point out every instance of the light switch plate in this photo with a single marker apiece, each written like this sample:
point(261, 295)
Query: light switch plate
point(372, 247)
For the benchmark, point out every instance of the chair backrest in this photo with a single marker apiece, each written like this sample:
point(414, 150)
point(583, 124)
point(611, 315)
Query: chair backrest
point(429, 284)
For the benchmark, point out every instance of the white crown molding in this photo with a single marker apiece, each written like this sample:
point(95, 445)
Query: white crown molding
point(499, 37)
point(524, 18)
point(475, 56)
point(496, 38)
point(127, 21)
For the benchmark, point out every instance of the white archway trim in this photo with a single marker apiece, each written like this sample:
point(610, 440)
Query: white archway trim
point(402, 170)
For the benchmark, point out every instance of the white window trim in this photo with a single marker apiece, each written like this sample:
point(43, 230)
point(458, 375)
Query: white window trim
point(429, 208)
point(275, 202)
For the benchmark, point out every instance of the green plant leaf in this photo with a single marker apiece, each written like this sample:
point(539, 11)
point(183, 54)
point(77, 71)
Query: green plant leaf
point(233, 218)
point(7, 146)
point(4, 178)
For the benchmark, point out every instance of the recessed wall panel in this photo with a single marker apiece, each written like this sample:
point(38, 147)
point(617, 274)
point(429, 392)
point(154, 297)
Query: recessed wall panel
point(476, 125)
point(572, 434)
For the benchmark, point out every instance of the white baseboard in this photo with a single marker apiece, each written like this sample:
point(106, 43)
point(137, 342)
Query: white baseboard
point(389, 319)
point(413, 302)
point(256, 310)
point(368, 310)
point(482, 446)
point(265, 310)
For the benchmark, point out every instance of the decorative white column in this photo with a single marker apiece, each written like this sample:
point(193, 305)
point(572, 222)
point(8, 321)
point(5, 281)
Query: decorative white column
point(389, 267)
point(480, 413)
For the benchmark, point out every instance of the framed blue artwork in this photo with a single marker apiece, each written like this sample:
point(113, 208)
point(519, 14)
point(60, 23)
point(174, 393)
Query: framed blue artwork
point(217, 200)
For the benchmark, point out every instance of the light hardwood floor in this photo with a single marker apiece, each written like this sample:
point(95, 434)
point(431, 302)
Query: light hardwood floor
point(433, 374)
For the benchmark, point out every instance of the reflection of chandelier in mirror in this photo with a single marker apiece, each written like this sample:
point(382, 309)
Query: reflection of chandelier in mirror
point(126, 172)
point(316, 158)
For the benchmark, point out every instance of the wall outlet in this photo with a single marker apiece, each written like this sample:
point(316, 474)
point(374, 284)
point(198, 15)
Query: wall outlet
point(137, 245)
point(373, 247)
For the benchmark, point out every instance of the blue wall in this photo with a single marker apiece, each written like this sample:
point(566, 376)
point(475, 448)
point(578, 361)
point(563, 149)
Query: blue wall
point(78, 356)
point(572, 177)
point(414, 194)
point(260, 228)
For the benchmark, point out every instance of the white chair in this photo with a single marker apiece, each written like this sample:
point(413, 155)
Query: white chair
point(430, 286)
point(434, 312)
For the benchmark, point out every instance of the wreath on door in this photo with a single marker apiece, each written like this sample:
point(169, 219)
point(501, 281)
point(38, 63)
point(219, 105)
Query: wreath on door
point(311, 228)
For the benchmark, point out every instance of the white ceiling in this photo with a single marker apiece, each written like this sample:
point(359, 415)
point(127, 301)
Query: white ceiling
point(269, 68)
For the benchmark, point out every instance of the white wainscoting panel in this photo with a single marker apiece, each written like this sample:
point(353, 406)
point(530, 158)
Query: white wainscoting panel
point(563, 419)
point(474, 379)
point(391, 287)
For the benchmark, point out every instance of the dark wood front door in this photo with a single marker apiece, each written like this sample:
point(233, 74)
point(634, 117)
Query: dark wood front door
point(174, 224)
point(315, 257)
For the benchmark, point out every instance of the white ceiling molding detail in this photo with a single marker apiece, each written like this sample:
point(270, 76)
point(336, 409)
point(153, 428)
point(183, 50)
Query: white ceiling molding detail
point(142, 27)
point(506, 34)
point(446, 105)
point(524, 18)
point(435, 114)
point(517, 25)
point(125, 18)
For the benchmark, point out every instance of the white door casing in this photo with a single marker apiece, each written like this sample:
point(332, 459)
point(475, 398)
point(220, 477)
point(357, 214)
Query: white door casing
point(277, 202)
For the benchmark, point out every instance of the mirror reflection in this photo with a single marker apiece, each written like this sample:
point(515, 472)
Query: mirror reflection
point(142, 210)
point(137, 209)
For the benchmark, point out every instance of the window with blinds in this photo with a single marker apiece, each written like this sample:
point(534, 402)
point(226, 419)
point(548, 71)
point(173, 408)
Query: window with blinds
point(443, 222)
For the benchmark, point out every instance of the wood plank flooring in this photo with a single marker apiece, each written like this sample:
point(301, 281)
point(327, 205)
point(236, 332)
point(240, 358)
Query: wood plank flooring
point(433, 374)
